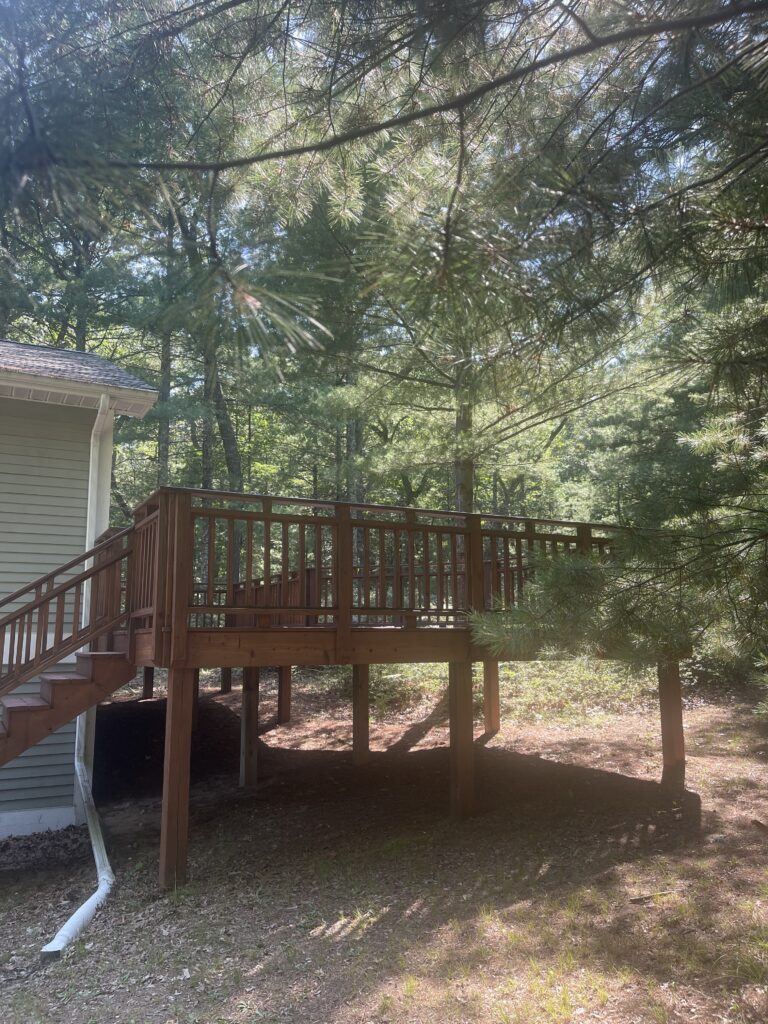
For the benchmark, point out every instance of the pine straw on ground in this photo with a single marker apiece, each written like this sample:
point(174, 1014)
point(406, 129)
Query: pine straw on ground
point(341, 894)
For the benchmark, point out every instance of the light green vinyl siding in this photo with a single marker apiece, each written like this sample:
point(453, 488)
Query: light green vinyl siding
point(44, 457)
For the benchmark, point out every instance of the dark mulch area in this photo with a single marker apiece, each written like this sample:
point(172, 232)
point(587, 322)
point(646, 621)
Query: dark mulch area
point(129, 767)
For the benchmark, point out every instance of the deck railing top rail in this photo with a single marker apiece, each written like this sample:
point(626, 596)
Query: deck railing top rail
point(270, 501)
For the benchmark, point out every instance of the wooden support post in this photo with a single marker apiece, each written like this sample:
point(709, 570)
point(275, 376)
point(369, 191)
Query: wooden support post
point(249, 728)
point(148, 683)
point(462, 738)
point(174, 819)
point(672, 737)
point(360, 716)
point(226, 680)
point(491, 696)
point(283, 694)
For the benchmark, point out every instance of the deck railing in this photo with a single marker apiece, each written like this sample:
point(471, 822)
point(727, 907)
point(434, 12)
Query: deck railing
point(222, 560)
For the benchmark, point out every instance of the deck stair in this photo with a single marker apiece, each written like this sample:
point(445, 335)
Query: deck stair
point(27, 719)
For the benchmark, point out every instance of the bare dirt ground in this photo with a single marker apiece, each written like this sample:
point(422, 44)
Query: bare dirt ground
point(343, 895)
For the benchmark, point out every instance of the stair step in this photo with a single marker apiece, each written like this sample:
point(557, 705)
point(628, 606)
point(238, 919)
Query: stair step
point(63, 677)
point(30, 701)
point(57, 688)
point(11, 704)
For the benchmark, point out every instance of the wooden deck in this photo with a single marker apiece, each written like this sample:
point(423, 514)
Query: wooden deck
point(214, 579)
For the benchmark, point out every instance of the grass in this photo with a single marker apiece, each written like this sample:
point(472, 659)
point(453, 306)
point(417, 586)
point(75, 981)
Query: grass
point(348, 897)
point(531, 692)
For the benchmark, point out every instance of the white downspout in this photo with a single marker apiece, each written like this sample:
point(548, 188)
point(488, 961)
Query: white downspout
point(106, 879)
point(97, 521)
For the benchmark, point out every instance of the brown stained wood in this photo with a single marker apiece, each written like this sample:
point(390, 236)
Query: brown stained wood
point(226, 680)
point(284, 684)
point(183, 548)
point(174, 816)
point(462, 752)
point(475, 563)
point(360, 714)
point(491, 710)
point(148, 683)
point(343, 563)
point(249, 728)
point(288, 645)
point(672, 734)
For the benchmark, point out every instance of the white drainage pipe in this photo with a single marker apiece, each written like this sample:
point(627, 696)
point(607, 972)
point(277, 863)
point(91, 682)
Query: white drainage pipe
point(106, 879)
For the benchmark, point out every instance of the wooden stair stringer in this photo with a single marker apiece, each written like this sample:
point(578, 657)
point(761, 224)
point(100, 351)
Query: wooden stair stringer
point(26, 720)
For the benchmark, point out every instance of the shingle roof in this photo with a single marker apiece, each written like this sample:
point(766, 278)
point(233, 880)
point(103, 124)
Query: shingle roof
point(66, 365)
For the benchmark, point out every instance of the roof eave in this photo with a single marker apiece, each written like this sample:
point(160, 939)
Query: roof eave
point(32, 387)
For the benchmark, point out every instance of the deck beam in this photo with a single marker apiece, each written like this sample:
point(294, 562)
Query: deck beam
point(174, 818)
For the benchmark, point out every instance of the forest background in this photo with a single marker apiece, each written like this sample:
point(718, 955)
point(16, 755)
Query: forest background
point(502, 257)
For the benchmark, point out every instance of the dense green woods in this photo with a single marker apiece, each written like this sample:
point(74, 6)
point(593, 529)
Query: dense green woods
point(462, 253)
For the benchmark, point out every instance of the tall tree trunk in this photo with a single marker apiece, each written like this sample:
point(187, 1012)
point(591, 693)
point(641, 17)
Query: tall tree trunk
point(464, 464)
point(354, 436)
point(166, 368)
point(164, 417)
point(209, 382)
point(228, 435)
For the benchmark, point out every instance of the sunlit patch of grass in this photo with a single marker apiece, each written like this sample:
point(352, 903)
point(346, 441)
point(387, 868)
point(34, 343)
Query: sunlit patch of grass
point(535, 691)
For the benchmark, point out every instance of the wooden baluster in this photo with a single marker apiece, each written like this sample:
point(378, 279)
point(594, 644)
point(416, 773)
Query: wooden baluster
point(76, 610)
point(366, 581)
point(456, 602)
point(318, 580)
point(426, 598)
point(285, 556)
point(304, 601)
point(248, 592)
point(410, 618)
point(440, 569)
point(231, 564)
point(182, 576)
point(266, 620)
point(397, 591)
point(382, 591)
point(508, 587)
point(476, 563)
point(343, 576)
point(211, 562)
point(58, 633)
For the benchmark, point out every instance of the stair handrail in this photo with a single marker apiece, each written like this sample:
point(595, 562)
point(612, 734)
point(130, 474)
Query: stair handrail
point(94, 594)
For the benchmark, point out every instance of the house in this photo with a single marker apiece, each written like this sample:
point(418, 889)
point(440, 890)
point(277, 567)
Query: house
point(57, 409)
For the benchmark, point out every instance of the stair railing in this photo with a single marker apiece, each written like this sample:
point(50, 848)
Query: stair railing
point(58, 614)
